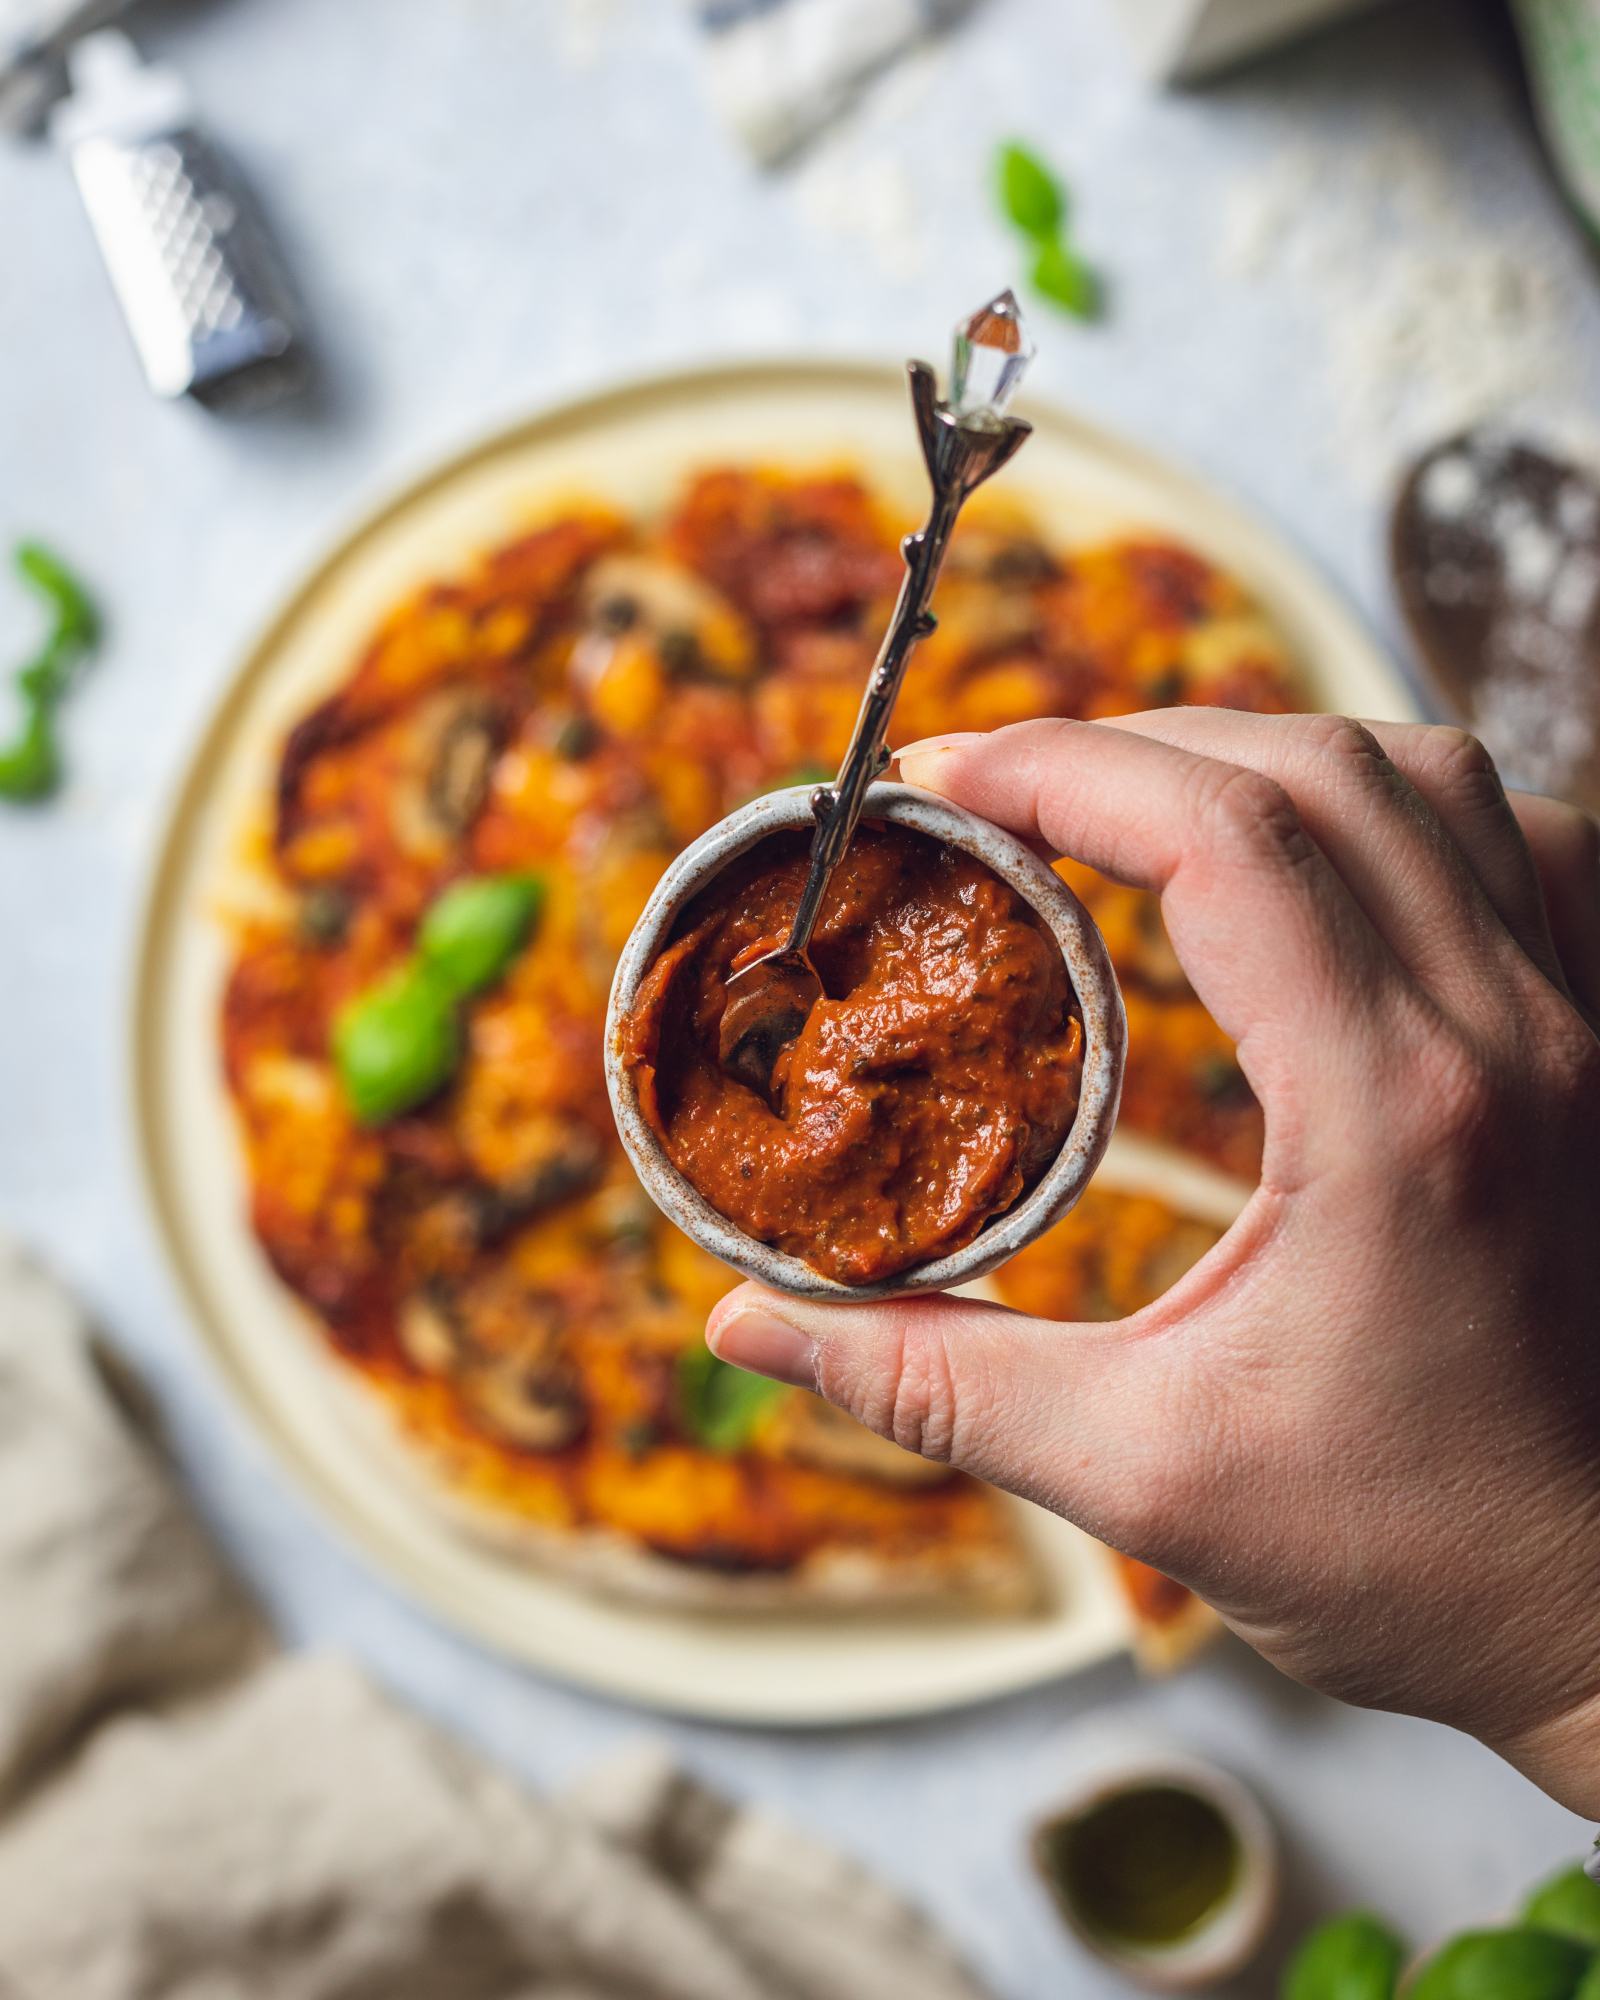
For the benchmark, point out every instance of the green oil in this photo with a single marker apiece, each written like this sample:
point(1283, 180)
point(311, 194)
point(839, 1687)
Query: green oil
point(1143, 1867)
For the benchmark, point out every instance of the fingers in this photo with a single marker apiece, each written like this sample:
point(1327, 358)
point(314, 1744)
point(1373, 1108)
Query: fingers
point(1457, 777)
point(1050, 1411)
point(1414, 821)
point(1269, 935)
point(1564, 845)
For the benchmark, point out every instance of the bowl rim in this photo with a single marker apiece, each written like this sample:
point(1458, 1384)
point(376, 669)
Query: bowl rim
point(1228, 1938)
point(1089, 968)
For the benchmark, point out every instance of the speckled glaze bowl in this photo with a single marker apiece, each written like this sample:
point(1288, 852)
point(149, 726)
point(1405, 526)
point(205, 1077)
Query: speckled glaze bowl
point(1105, 1035)
point(1226, 1940)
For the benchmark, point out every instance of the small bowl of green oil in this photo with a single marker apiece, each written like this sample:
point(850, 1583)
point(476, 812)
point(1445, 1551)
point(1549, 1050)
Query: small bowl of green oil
point(1163, 1866)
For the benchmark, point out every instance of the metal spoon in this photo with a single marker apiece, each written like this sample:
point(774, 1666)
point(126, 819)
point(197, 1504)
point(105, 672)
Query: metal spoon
point(964, 441)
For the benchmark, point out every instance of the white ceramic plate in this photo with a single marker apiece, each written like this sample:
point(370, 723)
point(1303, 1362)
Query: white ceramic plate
point(634, 445)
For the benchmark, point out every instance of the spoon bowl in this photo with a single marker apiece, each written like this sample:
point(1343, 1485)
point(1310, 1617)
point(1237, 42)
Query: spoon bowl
point(1088, 969)
point(769, 1002)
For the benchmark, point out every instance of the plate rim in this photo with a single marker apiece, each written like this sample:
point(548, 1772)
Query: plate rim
point(376, 504)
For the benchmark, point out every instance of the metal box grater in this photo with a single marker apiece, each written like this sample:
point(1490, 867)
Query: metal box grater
point(191, 263)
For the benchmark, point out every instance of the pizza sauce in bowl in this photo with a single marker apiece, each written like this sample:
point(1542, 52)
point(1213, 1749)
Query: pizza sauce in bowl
point(963, 1062)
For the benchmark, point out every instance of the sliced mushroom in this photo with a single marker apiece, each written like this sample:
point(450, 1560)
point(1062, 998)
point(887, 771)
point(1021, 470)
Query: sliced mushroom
point(804, 1427)
point(458, 777)
point(571, 1171)
point(693, 627)
point(1008, 559)
point(500, 1344)
point(990, 605)
point(540, 1409)
point(428, 1335)
point(455, 735)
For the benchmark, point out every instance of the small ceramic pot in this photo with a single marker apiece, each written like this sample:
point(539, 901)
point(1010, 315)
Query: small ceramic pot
point(1105, 1035)
point(1223, 1942)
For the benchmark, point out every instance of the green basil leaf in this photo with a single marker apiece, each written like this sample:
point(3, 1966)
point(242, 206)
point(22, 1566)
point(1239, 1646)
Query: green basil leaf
point(77, 621)
point(474, 930)
point(721, 1404)
point(1569, 1904)
point(1356, 1957)
point(396, 1045)
point(1064, 279)
point(30, 765)
point(1033, 199)
point(1504, 1965)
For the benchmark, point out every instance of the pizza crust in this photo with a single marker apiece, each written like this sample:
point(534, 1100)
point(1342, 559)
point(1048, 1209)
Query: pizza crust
point(1162, 1647)
point(998, 1578)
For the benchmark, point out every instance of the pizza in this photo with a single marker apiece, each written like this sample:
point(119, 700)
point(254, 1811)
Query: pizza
point(508, 1310)
point(1115, 1253)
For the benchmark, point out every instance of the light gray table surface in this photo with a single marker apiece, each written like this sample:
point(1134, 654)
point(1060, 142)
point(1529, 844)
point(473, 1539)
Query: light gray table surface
point(492, 203)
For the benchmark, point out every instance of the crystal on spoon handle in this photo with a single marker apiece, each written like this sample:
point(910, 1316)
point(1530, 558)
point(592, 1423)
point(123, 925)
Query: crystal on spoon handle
point(964, 440)
point(991, 352)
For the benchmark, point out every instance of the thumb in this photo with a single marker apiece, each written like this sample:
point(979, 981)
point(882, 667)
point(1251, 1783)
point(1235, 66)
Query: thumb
point(1056, 1412)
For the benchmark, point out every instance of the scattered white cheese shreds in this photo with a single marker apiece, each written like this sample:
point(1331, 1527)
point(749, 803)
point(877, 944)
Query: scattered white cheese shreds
point(847, 191)
point(1431, 317)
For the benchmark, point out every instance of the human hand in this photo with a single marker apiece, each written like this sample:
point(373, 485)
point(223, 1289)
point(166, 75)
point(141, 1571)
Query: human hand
point(1366, 1426)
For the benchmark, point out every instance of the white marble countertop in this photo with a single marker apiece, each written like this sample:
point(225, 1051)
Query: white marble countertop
point(490, 203)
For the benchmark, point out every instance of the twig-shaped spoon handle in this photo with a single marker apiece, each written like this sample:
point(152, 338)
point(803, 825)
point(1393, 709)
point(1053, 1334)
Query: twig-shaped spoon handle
point(964, 441)
point(959, 456)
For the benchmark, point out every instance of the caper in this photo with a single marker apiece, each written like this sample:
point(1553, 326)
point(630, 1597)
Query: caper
point(325, 913)
point(638, 1438)
point(1221, 1081)
point(576, 738)
point(617, 613)
point(680, 652)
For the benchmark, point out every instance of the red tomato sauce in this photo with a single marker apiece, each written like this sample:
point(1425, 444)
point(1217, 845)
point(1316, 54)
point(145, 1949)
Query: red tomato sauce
point(929, 1089)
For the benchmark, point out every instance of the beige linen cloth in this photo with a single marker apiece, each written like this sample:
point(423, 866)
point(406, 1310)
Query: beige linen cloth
point(188, 1814)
